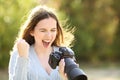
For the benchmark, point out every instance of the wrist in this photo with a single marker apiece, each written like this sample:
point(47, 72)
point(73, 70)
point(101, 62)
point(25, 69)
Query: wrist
point(63, 76)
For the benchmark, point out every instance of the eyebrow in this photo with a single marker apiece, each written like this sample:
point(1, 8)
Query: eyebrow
point(45, 28)
point(54, 28)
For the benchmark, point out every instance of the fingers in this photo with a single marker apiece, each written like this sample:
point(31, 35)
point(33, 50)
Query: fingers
point(22, 41)
point(61, 66)
point(61, 69)
point(22, 47)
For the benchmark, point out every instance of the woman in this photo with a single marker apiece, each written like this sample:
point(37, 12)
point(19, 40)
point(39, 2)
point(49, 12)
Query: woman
point(40, 35)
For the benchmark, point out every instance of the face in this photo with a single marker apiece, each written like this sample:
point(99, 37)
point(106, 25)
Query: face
point(45, 32)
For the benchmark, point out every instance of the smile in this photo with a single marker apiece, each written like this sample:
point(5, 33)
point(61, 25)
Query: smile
point(45, 43)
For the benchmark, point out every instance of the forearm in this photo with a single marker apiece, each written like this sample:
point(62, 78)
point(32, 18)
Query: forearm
point(20, 72)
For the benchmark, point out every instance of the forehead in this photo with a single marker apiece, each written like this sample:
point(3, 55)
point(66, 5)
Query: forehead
point(47, 23)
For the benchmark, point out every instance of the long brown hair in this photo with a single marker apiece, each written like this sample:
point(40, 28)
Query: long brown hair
point(37, 14)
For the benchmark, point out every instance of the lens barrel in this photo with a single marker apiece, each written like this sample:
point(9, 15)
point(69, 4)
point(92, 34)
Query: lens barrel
point(73, 71)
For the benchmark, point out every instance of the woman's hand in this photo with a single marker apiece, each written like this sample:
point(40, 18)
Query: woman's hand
point(23, 48)
point(61, 69)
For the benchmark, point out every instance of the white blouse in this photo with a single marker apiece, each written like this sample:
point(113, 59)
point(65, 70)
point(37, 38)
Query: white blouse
point(21, 68)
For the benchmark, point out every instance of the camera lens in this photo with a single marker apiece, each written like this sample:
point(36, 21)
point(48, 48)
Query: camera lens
point(73, 71)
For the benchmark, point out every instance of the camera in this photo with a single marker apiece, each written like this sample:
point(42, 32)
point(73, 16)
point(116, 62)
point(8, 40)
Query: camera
point(71, 68)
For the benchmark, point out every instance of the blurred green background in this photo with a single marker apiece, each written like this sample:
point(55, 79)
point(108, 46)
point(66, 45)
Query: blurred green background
point(97, 31)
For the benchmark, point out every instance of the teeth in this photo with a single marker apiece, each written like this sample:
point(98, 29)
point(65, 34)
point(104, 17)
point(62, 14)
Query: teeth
point(46, 41)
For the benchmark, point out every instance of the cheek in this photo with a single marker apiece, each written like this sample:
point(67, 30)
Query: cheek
point(55, 34)
point(38, 36)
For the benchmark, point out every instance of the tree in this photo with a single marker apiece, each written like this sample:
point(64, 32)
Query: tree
point(11, 15)
point(95, 23)
point(116, 44)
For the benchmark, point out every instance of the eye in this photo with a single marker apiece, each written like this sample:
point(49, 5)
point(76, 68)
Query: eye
point(53, 30)
point(42, 30)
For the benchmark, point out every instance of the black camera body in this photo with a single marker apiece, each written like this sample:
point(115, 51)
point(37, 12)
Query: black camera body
point(71, 68)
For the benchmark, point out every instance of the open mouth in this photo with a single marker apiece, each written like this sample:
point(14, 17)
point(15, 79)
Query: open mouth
point(45, 43)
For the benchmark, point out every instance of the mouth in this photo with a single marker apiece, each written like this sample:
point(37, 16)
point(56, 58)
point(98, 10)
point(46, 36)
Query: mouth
point(45, 43)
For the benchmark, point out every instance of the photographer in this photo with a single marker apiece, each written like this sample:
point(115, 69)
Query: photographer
point(39, 36)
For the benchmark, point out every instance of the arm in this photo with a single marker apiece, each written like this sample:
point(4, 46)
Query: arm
point(19, 62)
point(17, 67)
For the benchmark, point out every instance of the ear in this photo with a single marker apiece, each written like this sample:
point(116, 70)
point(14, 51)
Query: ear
point(31, 33)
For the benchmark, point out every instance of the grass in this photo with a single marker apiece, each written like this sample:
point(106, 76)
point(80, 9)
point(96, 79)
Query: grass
point(103, 73)
point(4, 74)
point(106, 72)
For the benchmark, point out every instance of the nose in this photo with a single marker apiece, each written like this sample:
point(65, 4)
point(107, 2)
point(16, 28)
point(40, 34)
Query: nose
point(48, 34)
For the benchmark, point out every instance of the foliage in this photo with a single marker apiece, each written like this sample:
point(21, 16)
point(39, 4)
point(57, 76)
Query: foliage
point(97, 23)
point(11, 13)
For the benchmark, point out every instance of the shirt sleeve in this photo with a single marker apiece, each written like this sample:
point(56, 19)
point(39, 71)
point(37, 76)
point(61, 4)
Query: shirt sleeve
point(17, 67)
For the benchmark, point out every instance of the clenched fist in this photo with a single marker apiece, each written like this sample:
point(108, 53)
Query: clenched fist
point(23, 48)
